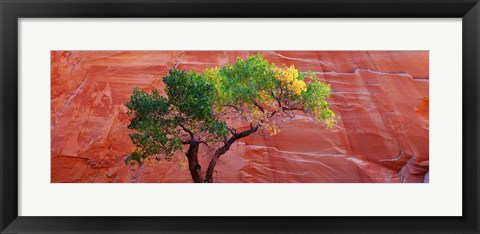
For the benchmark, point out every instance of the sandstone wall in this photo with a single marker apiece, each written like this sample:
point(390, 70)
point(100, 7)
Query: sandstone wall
point(380, 98)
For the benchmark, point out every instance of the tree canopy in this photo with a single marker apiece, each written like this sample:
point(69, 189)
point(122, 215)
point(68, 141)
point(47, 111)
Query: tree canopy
point(219, 106)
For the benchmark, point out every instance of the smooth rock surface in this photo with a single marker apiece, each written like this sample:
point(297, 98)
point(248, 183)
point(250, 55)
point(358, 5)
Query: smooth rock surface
point(380, 98)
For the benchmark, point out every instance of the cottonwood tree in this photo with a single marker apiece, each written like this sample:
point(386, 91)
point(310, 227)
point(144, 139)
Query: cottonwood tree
point(218, 107)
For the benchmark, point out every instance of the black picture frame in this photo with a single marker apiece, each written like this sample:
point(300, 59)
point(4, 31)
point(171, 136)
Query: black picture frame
point(12, 10)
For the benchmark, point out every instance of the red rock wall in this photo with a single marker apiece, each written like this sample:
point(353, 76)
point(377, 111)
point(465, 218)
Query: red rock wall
point(380, 99)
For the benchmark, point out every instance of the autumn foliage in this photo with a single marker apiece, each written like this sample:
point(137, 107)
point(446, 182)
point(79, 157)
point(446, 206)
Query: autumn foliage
point(219, 106)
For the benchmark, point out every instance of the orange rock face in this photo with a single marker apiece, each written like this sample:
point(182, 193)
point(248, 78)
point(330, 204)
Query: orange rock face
point(380, 99)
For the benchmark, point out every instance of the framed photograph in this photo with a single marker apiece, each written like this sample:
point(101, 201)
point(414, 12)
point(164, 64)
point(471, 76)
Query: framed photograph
point(225, 116)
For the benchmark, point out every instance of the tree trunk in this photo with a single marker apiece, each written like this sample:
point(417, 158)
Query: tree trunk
point(193, 165)
point(222, 150)
point(213, 162)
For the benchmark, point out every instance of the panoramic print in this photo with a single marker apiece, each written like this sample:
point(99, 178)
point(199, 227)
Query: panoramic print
point(239, 116)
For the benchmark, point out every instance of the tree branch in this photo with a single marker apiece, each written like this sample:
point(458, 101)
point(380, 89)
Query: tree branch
point(243, 134)
point(236, 108)
point(273, 113)
point(276, 98)
point(231, 130)
point(222, 150)
point(258, 106)
point(188, 131)
point(205, 143)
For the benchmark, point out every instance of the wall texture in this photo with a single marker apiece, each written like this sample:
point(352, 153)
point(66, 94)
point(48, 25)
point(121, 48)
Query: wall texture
point(381, 100)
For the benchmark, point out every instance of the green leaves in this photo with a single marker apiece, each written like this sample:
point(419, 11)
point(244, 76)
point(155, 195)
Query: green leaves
point(245, 80)
point(190, 93)
point(197, 106)
point(147, 104)
point(192, 97)
point(154, 130)
point(314, 101)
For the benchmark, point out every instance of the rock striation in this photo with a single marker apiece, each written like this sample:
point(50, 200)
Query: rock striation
point(381, 100)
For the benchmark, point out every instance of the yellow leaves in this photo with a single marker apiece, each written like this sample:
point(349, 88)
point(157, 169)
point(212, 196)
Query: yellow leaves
point(330, 122)
point(272, 128)
point(286, 75)
point(256, 116)
point(149, 162)
point(212, 74)
point(324, 115)
point(183, 163)
point(137, 149)
point(297, 86)
point(265, 96)
point(289, 79)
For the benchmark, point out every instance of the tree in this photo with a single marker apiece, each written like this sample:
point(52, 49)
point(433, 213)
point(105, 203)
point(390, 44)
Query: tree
point(220, 106)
